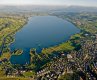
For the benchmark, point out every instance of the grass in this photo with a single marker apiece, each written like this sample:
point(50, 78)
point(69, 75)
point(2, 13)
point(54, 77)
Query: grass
point(16, 78)
point(6, 55)
point(66, 46)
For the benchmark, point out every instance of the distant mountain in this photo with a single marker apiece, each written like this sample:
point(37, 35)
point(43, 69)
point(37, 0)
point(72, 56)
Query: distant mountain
point(36, 8)
point(80, 9)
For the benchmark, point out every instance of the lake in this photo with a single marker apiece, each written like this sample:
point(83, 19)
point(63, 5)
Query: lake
point(41, 32)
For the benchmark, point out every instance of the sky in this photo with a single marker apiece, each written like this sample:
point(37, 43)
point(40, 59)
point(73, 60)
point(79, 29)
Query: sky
point(92, 3)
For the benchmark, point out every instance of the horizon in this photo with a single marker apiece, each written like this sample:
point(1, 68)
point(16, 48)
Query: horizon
point(36, 5)
point(83, 3)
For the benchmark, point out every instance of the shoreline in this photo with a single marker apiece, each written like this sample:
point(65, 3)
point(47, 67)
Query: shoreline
point(11, 34)
point(61, 42)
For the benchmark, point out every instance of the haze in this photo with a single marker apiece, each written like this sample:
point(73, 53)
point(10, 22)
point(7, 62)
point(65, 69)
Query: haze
point(90, 3)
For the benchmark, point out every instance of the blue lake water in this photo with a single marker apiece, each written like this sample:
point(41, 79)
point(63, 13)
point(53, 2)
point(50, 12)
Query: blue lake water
point(41, 32)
